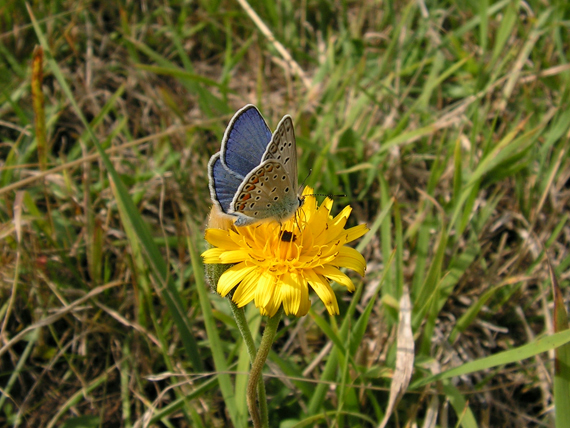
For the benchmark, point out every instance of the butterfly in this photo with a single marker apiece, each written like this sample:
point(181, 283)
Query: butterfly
point(254, 175)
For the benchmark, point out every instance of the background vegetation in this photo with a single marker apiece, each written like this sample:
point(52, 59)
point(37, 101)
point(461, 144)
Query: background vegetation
point(446, 125)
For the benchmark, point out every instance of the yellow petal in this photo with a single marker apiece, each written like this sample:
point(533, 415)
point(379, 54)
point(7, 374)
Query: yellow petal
point(290, 293)
point(309, 207)
point(308, 190)
point(323, 290)
point(350, 258)
point(220, 238)
point(318, 227)
point(233, 256)
point(294, 294)
point(334, 274)
point(356, 232)
point(245, 291)
point(265, 289)
point(327, 204)
point(212, 256)
point(336, 226)
point(232, 277)
point(273, 305)
point(344, 214)
point(305, 302)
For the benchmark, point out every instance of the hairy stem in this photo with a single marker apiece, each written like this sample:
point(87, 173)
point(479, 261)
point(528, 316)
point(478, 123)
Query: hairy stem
point(239, 316)
point(257, 367)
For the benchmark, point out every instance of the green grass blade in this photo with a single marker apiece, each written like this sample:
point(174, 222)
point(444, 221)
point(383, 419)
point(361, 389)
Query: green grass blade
point(562, 357)
point(469, 316)
point(460, 405)
point(327, 330)
point(511, 356)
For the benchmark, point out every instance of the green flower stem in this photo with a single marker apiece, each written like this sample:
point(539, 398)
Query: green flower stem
point(257, 367)
point(239, 316)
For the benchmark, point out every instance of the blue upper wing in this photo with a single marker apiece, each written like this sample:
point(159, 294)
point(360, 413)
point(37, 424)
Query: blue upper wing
point(245, 141)
point(223, 183)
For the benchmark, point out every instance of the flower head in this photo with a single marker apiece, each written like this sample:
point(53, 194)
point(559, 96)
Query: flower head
point(273, 263)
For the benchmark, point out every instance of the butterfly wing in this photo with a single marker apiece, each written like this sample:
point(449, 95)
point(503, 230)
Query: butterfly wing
point(223, 183)
point(245, 141)
point(283, 148)
point(254, 176)
point(266, 193)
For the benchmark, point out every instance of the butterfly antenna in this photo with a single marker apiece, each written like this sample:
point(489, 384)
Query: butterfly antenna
point(328, 195)
point(319, 194)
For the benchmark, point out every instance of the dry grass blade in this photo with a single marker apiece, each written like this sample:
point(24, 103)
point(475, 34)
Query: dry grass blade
point(404, 356)
point(296, 68)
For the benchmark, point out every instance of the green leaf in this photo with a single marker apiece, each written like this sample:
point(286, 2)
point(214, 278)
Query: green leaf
point(511, 356)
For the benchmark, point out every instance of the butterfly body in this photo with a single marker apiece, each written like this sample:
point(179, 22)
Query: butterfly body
point(254, 176)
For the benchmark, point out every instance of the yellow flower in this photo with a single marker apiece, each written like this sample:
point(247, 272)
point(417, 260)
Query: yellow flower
point(273, 263)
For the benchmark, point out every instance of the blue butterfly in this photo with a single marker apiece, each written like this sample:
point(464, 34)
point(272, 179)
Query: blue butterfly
point(254, 176)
